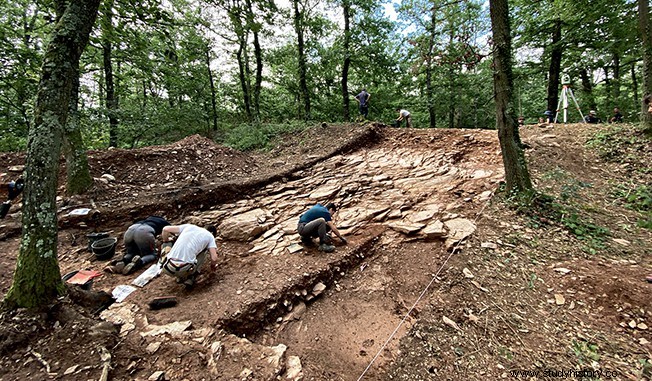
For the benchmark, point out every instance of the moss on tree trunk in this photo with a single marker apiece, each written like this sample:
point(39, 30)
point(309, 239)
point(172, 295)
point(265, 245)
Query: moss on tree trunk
point(37, 279)
point(517, 177)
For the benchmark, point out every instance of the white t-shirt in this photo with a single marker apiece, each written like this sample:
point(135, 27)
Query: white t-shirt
point(192, 241)
point(404, 113)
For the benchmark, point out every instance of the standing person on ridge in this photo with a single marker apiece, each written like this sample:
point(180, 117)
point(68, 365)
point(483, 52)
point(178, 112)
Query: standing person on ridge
point(403, 115)
point(363, 102)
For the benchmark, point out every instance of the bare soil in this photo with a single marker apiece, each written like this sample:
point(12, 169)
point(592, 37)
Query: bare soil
point(524, 292)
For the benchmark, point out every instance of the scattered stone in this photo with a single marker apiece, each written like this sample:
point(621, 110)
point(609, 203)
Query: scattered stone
point(643, 341)
point(641, 326)
point(632, 324)
point(421, 216)
point(489, 245)
point(559, 299)
point(434, 230)
point(562, 270)
point(406, 227)
point(70, 370)
point(293, 369)
point(476, 284)
point(451, 323)
point(621, 241)
point(270, 232)
point(395, 214)
point(156, 376)
point(325, 192)
point(293, 248)
point(467, 273)
point(174, 328)
point(246, 372)
point(318, 289)
point(153, 347)
point(458, 229)
point(484, 196)
point(246, 226)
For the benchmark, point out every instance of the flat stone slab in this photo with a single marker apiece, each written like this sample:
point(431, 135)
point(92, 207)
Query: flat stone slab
point(434, 230)
point(406, 227)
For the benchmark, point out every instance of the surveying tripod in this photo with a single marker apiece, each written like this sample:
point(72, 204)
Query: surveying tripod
point(563, 99)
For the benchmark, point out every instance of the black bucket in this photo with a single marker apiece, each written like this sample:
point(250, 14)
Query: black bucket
point(92, 237)
point(4, 209)
point(104, 248)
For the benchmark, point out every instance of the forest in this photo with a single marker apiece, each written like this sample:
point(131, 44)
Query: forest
point(241, 71)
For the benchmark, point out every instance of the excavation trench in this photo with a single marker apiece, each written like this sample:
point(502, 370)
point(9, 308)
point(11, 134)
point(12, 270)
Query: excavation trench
point(277, 307)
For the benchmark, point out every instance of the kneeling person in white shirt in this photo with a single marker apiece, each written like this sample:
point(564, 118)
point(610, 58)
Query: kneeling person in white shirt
point(189, 251)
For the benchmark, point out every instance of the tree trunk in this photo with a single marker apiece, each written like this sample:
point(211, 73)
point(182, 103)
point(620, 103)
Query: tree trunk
point(107, 55)
point(303, 81)
point(634, 82)
point(616, 81)
point(430, 91)
point(242, 75)
point(451, 97)
point(78, 176)
point(212, 85)
point(451, 81)
point(346, 10)
point(517, 178)
point(258, 84)
point(587, 88)
point(258, 55)
point(555, 66)
point(646, 44)
point(37, 278)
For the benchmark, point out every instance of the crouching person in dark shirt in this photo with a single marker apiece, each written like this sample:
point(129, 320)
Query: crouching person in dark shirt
point(318, 222)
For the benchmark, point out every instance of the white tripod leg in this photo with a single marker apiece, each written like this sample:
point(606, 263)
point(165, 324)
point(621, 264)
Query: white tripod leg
point(564, 98)
point(576, 105)
point(558, 105)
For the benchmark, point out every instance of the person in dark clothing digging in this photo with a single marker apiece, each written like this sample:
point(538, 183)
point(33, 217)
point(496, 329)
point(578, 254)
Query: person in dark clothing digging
point(140, 244)
point(318, 222)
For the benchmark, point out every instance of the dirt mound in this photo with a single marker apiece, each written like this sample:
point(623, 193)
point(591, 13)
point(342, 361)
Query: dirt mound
point(194, 160)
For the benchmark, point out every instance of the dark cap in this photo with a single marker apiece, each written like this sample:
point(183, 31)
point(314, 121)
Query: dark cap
point(331, 206)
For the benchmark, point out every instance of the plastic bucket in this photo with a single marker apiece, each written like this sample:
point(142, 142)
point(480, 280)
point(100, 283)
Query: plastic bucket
point(104, 248)
point(92, 237)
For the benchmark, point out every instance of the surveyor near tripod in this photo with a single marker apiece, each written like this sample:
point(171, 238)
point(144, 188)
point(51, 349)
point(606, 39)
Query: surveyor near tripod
point(403, 115)
point(592, 118)
point(318, 222)
point(140, 244)
point(189, 251)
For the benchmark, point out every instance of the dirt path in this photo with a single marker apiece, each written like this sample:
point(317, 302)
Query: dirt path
point(405, 202)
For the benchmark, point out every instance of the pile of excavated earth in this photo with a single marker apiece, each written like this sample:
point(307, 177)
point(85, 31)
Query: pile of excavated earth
point(440, 279)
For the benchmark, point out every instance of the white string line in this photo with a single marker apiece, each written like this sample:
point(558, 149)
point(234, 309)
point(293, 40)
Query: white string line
point(420, 296)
